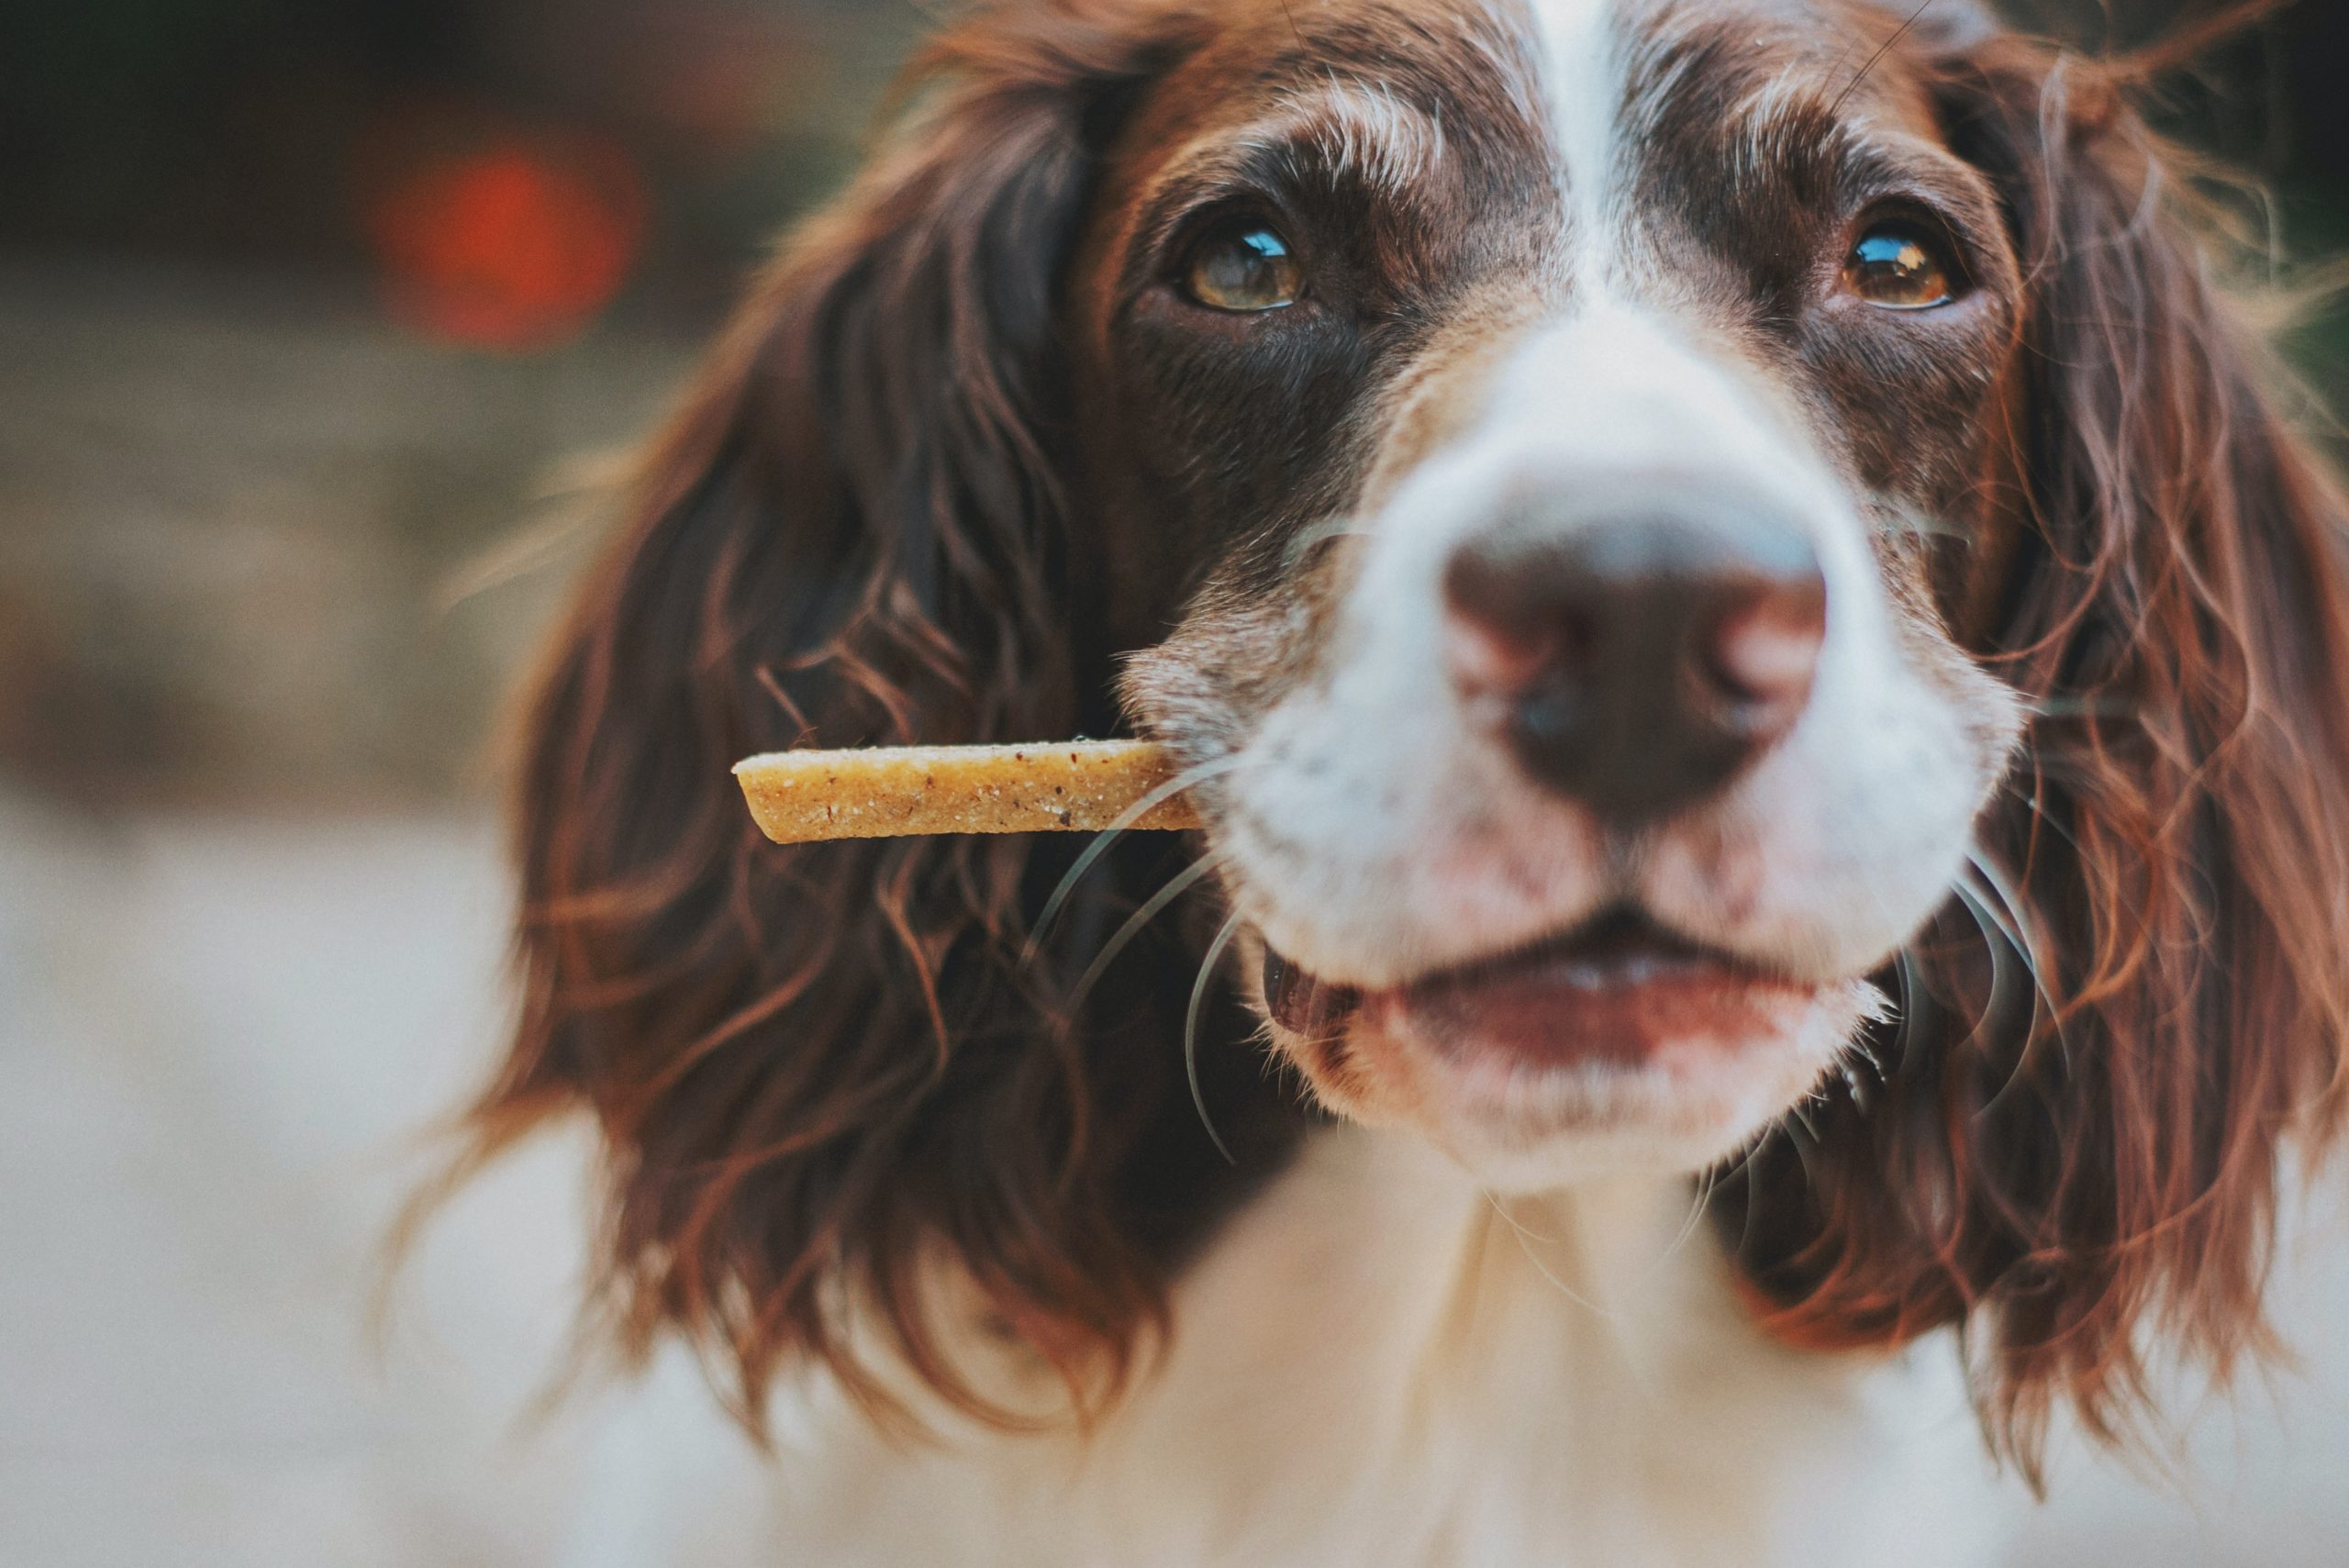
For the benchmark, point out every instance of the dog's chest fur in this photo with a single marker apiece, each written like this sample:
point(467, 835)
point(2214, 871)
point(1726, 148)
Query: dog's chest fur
point(1376, 1366)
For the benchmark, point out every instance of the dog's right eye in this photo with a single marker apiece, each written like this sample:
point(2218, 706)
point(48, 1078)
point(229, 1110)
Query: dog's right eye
point(1243, 267)
point(1898, 266)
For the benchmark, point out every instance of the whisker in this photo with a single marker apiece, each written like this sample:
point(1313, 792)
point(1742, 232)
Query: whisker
point(1738, 1170)
point(1878, 58)
point(1182, 882)
point(1706, 1181)
point(2017, 928)
point(1525, 1245)
point(1905, 978)
point(1344, 526)
point(2017, 936)
point(2040, 816)
point(1905, 522)
point(1191, 1032)
point(1912, 985)
point(2081, 707)
point(1998, 942)
point(1796, 1127)
point(1860, 1068)
point(1984, 918)
point(1107, 837)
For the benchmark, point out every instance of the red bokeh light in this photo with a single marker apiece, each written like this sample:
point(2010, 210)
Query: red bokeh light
point(502, 239)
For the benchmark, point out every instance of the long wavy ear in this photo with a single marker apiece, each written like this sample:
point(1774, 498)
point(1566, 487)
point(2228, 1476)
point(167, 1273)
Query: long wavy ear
point(822, 1073)
point(2142, 988)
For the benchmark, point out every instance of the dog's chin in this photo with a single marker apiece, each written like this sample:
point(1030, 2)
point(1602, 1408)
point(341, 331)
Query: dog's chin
point(1616, 1050)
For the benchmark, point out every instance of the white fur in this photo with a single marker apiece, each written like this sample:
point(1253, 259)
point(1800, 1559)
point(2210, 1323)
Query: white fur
point(1385, 142)
point(1363, 131)
point(1379, 1367)
point(1376, 837)
point(1583, 79)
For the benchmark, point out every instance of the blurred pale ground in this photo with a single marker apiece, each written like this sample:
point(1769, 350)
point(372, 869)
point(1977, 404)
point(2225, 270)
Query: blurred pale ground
point(268, 559)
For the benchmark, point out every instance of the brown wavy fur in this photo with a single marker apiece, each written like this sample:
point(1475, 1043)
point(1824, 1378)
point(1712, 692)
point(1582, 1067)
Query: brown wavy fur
point(818, 1071)
point(2063, 1163)
point(814, 1068)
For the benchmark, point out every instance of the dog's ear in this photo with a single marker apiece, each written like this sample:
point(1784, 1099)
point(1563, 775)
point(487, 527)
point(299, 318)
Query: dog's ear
point(2140, 997)
point(829, 1090)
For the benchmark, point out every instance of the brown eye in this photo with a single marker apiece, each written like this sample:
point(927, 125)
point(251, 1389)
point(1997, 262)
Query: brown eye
point(1899, 267)
point(1243, 267)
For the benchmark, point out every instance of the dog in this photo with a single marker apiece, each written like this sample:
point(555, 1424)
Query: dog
point(1767, 681)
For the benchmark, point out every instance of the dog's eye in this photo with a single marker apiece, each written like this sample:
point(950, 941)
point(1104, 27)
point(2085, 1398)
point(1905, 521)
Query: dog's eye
point(1243, 267)
point(1898, 267)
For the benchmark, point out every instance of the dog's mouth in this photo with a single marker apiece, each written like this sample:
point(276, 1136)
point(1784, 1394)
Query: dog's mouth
point(1617, 987)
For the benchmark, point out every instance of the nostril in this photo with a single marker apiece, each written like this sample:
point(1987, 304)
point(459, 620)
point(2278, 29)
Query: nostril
point(1485, 661)
point(1504, 633)
point(1766, 649)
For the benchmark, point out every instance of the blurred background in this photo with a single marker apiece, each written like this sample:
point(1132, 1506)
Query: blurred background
point(323, 327)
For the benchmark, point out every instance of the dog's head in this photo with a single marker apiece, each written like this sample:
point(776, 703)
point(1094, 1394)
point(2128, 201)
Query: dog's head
point(1732, 598)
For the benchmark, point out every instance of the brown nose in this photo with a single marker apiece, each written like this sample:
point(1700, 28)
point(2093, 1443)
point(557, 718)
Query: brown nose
point(1637, 661)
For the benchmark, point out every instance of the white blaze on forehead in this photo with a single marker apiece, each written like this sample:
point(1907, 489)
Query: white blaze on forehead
point(1577, 49)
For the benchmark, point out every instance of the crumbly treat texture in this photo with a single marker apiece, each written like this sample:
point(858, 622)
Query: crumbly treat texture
point(902, 792)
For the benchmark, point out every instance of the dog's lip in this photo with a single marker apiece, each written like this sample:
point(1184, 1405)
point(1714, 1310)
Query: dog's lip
point(1612, 960)
point(1303, 1003)
point(1617, 949)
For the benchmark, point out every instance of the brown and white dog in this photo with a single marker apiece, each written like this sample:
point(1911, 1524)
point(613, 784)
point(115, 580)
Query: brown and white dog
point(1771, 698)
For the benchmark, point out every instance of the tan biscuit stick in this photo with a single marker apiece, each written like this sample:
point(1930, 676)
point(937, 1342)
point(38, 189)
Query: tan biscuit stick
point(899, 791)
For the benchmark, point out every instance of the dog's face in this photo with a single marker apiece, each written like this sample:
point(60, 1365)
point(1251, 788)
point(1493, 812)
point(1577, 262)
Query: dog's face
point(1576, 415)
point(1660, 529)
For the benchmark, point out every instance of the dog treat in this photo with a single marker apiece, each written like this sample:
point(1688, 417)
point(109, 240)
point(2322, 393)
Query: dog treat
point(903, 792)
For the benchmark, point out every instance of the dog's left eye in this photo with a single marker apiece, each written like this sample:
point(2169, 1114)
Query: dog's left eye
point(1898, 267)
point(1243, 267)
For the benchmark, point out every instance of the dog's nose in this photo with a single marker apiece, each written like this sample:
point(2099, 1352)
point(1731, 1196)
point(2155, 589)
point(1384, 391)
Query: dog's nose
point(1639, 661)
